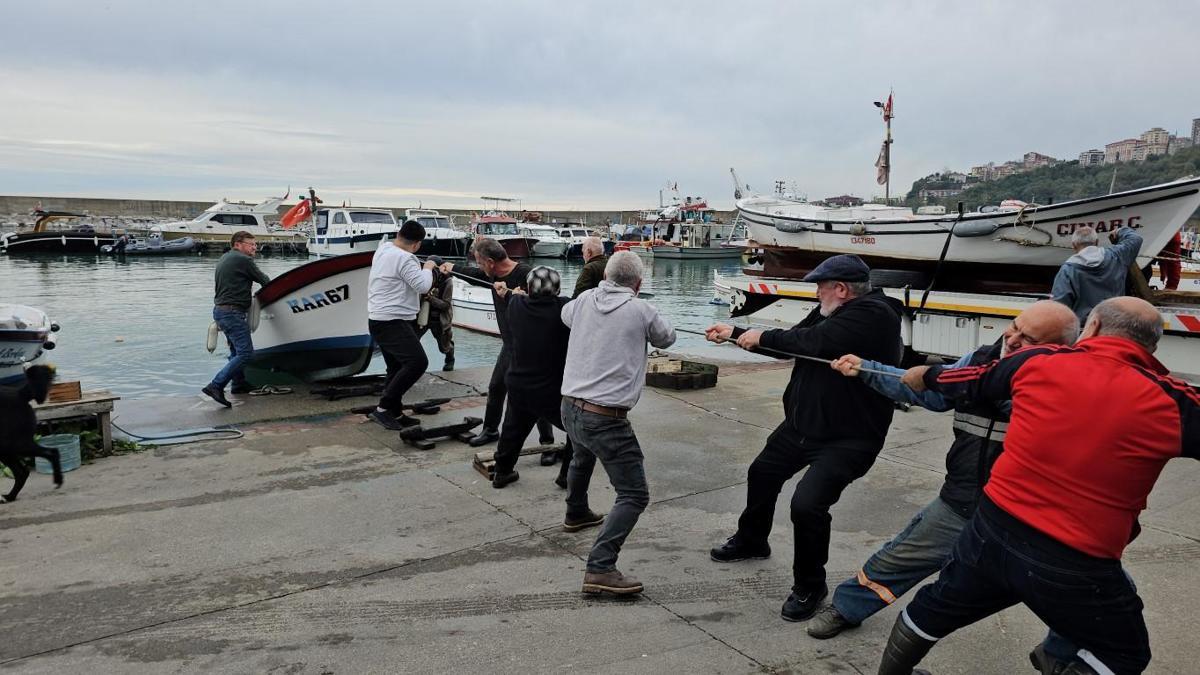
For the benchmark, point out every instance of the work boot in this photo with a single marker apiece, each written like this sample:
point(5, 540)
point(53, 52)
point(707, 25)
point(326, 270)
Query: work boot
point(216, 395)
point(484, 437)
point(827, 623)
point(548, 457)
point(505, 478)
point(610, 582)
point(577, 523)
point(904, 650)
point(801, 605)
point(734, 550)
point(448, 366)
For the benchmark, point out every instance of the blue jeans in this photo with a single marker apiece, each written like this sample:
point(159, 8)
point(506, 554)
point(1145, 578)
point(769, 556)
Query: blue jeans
point(610, 440)
point(237, 333)
point(920, 550)
point(1000, 561)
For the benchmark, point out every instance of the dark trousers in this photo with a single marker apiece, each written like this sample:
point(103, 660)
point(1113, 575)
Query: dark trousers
point(520, 416)
point(498, 391)
point(404, 356)
point(1000, 561)
point(612, 441)
point(830, 470)
point(444, 334)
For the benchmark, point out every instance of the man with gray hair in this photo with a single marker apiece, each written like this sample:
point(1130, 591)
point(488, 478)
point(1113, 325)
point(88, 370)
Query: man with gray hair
point(1063, 500)
point(602, 381)
point(833, 425)
point(1095, 274)
point(593, 269)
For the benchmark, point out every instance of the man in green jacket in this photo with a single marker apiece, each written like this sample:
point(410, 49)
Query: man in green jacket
point(235, 274)
point(593, 268)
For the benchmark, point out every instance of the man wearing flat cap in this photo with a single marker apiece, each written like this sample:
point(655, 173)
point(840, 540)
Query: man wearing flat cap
point(833, 425)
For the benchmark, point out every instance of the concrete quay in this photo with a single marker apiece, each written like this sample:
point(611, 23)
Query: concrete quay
point(318, 543)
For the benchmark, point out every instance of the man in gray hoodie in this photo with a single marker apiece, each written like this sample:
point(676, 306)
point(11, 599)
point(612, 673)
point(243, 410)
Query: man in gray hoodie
point(1095, 274)
point(603, 379)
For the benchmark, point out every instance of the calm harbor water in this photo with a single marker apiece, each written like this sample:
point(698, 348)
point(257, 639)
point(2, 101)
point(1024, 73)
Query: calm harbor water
point(137, 326)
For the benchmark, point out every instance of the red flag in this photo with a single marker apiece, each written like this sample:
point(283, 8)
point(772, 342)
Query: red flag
point(298, 213)
point(887, 108)
point(882, 165)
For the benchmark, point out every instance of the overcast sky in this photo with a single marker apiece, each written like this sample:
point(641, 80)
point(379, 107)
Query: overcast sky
point(567, 104)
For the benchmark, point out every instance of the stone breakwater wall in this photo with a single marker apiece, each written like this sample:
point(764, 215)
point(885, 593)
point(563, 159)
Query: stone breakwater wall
point(15, 210)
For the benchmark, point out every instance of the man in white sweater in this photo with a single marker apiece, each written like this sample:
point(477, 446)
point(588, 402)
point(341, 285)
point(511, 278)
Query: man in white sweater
point(603, 379)
point(394, 290)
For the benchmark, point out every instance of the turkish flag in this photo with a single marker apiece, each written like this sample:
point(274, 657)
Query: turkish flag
point(887, 109)
point(297, 214)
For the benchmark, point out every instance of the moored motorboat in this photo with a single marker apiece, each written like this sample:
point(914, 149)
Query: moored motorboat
point(216, 224)
point(310, 323)
point(46, 237)
point(441, 238)
point(473, 308)
point(25, 334)
point(343, 230)
point(549, 243)
point(503, 228)
point(152, 245)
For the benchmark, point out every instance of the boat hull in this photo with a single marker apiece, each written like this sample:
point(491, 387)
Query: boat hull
point(25, 334)
point(473, 308)
point(550, 249)
point(312, 321)
point(327, 247)
point(517, 247)
point(63, 241)
point(999, 245)
point(445, 247)
point(696, 253)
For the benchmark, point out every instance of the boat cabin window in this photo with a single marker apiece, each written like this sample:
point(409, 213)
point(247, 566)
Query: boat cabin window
point(372, 217)
point(234, 219)
point(339, 218)
point(497, 228)
point(430, 222)
point(322, 222)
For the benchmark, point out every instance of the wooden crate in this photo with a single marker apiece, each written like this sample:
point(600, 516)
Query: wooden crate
point(63, 392)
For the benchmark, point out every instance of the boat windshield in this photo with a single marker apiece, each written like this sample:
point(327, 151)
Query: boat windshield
point(429, 222)
point(497, 228)
point(364, 217)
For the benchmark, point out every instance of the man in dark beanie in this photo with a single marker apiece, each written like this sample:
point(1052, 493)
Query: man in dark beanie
point(538, 340)
point(394, 291)
point(833, 425)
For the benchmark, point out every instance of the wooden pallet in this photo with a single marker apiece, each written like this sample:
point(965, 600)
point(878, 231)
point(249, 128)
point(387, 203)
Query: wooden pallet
point(485, 464)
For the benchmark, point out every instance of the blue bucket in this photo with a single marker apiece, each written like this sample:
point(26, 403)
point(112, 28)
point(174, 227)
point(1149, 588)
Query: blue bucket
point(68, 452)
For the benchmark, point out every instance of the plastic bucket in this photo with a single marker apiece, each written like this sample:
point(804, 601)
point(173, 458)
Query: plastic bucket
point(68, 452)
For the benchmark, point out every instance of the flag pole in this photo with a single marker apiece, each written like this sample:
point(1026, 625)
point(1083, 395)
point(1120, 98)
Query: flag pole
point(887, 141)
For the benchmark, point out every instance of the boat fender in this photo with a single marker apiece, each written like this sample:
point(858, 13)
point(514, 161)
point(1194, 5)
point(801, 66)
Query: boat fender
point(423, 314)
point(983, 229)
point(253, 313)
point(211, 342)
point(858, 229)
point(790, 227)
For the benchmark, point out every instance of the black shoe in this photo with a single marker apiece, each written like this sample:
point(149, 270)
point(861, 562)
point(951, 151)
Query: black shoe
point(801, 606)
point(385, 419)
point(405, 420)
point(549, 457)
point(502, 479)
point(241, 389)
point(216, 395)
point(484, 437)
point(577, 523)
point(827, 623)
point(449, 365)
point(733, 550)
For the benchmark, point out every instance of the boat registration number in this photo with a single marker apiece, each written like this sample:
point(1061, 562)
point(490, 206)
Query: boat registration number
point(318, 300)
point(863, 240)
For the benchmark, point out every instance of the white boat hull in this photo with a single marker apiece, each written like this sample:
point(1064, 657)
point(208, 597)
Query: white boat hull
point(329, 246)
point(473, 308)
point(25, 334)
point(1039, 236)
point(550, 249)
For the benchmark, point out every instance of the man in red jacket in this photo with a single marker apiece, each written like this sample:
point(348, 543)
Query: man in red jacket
point(1064, 498)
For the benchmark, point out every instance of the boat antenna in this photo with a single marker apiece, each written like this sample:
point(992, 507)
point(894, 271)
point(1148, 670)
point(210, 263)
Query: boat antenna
point(1113, 183)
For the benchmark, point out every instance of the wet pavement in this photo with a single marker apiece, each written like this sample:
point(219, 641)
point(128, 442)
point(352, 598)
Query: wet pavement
point(319, 543)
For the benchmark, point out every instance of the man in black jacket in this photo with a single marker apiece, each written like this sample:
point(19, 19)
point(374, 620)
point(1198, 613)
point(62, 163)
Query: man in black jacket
point(832, 424)
point(538, 353)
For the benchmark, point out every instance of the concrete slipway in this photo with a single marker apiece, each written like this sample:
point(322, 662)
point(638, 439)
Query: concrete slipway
point(320, 544)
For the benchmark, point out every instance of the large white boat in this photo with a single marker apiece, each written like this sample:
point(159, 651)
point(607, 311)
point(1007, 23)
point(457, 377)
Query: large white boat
point(343, 230)
point(218, 223)
point(441, 238)
point(25, 334)
point(310, 323)
point(1015, 248)
point(575, 233)
point(550, 244)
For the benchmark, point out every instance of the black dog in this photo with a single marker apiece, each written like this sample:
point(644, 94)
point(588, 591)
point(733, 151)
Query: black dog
point(18, 424)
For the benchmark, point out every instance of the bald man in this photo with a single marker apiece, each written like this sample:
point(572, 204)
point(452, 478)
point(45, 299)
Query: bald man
point(1091, 429)
point(921, 548)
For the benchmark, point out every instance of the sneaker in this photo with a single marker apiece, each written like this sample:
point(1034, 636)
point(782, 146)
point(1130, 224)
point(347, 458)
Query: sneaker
point(577, 523)
point(548, 458)
point(502, 479)
point(802, 606)
point(733, 550)
point(610, 582)
point(827, 623)
point(484, 437)
point(385, 419)
point(216, 395)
